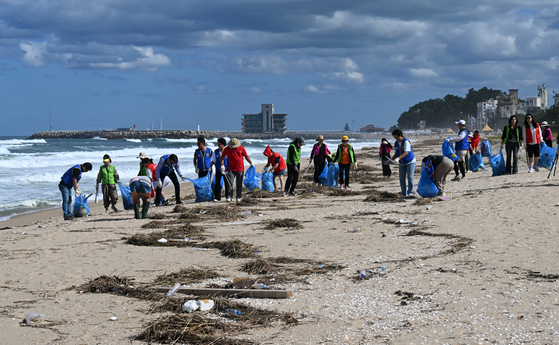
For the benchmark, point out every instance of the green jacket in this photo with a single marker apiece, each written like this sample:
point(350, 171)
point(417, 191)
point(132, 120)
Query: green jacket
point(338, 157)
point(107, 177)
point(293, 154)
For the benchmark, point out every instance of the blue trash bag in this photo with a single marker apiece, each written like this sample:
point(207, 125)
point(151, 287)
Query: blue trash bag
point(547, 155)
point(333, 173)
point(476, 163)
point(485, 148)
point(323, 177)
point(126, 197)
point(497, 163)
point(426, 186)
point(448, 150)
point(268, 181)
point(252, 179)
point(213, 184)
point(81, 201)
point(203, 188)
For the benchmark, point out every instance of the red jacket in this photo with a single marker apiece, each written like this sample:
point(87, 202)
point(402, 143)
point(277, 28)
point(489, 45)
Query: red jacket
point(235, 160)
point(528, 137)
point(272, 157)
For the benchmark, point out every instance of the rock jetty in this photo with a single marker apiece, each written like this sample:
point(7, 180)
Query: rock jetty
point(183, 134)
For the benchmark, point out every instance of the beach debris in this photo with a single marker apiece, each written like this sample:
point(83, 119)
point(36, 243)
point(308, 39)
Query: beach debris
point(190, 306)
point(173, 290)
point(244, 213)
point(186, 276)
point(205, 304)
point(251, 293)
point(355, 230)
point(259, 266)
point(289, 223)
point(162, 240)
point(242, 223)
point(233, 248)
point(34, 316)
point(383, 197)
point(113, 318)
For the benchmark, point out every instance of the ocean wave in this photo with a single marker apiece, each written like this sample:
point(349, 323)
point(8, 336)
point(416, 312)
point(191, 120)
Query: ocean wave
point(134, 140)
point(98, 138)
point(29, 203)
point(22, 141)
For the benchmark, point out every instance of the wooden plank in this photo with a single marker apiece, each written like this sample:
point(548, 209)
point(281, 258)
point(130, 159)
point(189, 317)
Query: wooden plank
point(252, 293)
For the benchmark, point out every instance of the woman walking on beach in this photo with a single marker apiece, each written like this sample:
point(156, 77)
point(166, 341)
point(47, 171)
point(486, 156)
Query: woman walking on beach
point(546, 134)
point(403, 155)
point(108, 177)
point(293, 163)
point(345, 157)
point(512, 139)
point(319, 153)
point(443, 166)
point(384, 153)
point(533, 135)
point(235, 153)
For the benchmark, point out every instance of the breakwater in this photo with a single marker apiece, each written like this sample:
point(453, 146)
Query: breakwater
point(183, 134)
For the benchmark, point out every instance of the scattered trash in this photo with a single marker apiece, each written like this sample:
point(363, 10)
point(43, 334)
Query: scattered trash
point(162, 240)
point(186, 239)
point(205, 304)
point(232, 311)
point(112, 318)
point(190, 306)
point(354, 230)
point(320, 266)
point(34, 316)
point(272, 279)
point(174, 289)
point(244, 213)
point(259, 286)
point(384, 266)
point(363, 273)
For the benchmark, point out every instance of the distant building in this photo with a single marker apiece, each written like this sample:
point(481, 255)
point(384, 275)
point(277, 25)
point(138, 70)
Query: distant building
point(556, 102)
point(265, 122)
point(370, 128)
point(538, 103)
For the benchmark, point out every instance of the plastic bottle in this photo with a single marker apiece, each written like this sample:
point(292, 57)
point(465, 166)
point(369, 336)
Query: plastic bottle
point(173, 289)
point(363, 273)
point(259, 286)
point(232, 311)
point(354, 230)
point(384, 266)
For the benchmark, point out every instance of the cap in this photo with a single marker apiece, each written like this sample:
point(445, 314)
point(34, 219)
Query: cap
point(545, 124)
point(301, 140)
point(345, 138)
point(461, 122)
point(320, 137)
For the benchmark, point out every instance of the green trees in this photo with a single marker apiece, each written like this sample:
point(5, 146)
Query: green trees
point(446, 111)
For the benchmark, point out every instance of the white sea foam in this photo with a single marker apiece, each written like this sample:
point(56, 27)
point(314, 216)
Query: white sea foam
point(134, 140)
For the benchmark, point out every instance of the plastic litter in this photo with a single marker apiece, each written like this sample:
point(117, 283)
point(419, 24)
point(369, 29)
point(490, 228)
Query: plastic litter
point(34, 316)
point(205, 304)
point(244, 213)
point(363, 273)
point(174, 289)
point(259, 286)
point(162, 240)
point(354, 230)
point(232, 311)
point(384, 266)
point(186, 239)
point(190, 306)
point(112, 318)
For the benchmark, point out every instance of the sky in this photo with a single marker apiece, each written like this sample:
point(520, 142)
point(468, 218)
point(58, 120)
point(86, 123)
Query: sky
point(103, 64)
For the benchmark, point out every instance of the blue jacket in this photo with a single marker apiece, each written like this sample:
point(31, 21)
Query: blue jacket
point(164, 168)
point(400, 151)
point(217, 157)
point(462, 144)
point(68, 177)
point(203, 161)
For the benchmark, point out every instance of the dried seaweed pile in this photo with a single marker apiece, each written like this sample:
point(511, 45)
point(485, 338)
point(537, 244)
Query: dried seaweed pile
point(288, 223)
point(383, 197)
point(344, 192)
point(233, 248)
point(116, 285)
point(264, 194)
point(178, 234)
point(158, 224)
point(185, 276)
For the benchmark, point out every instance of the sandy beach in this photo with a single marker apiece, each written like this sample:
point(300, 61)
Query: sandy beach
point(478, 269)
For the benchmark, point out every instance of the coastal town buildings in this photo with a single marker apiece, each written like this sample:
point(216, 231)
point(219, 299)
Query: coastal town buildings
point(264, 122)
point(371, 129)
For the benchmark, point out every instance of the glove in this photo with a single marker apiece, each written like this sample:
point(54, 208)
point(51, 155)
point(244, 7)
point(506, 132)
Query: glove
point(397, 160)
point(223, 169)
point(355, 165)
point(183, 178)
point(196, 170)
point(296, 169)
point(78, 192)
point(159, 184)
point(265, 169)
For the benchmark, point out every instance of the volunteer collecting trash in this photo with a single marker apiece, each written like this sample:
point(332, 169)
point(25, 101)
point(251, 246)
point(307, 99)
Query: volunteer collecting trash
point(443, 166)
point(319, 154)
point(68, 181)
point(461, 148)
point(167, 166)
point(278, 166)
point(403, 156)
point(384, 153)
point(345, 157)
point(108, 177)
point(532, 137)
point(547, 135)
point(293, 163)
point(512, 139)
point(202, 158)
point(140, 187)
point(216, 159)
point(235, 152)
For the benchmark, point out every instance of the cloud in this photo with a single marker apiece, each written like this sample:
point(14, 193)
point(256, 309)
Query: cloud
point(33, 53)
point(311, 88)
point(169, 80)
point(148, 60)
point(200, 89)
point(254, 90)
point(423, 72)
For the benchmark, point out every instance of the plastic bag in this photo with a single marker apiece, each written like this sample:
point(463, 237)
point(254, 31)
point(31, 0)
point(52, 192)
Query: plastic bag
point(547, 155)
point(426, 186)
point(203, 188)
point(485, 148)
point(497, 163)
point(448, 150)
point(252, 179)
point(333, 173)
point(213, 185)
point(323, 177)
point(268, 181)
point(476, 163)
point(126, 197)
point(81, 201)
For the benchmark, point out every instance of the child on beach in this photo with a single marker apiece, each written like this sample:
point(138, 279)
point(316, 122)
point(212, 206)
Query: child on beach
point(108, 177)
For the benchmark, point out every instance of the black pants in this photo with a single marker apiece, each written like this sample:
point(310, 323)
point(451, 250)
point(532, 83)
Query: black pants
point(238, 177)
point(292, 177)
point(318, 167)
point(386, 171)
point(459, 166)
point(549, 142)
point(203, 173)
point(217, 188)
point(173, 178)
point(344, 170)
point(512, 157)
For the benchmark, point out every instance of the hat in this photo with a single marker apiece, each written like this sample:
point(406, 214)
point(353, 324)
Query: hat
point(345, 138)
point(106, 158)
point(545, 124)
point(301, 140)
point(385, 141)
point(461, 122)
point(234, 143)
point(320, 137)
point(143, 155)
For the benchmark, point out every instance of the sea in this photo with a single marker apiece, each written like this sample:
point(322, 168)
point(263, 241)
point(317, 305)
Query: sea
point(30, 170)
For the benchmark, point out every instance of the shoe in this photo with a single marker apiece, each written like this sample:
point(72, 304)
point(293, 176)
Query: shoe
point(239, 199)
point(346, 187)
point(228, 199)
point(165, 202)
point(137, 211)
point(292, 194)
point(106, 210)
point(215, 200)
point(536, 168)
point(463, 177)
point(284, 194)
point(178, 202)
point(114, 208)
point(456, 178)
point(68, 217)
point(145, 208)
point(531, 170)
